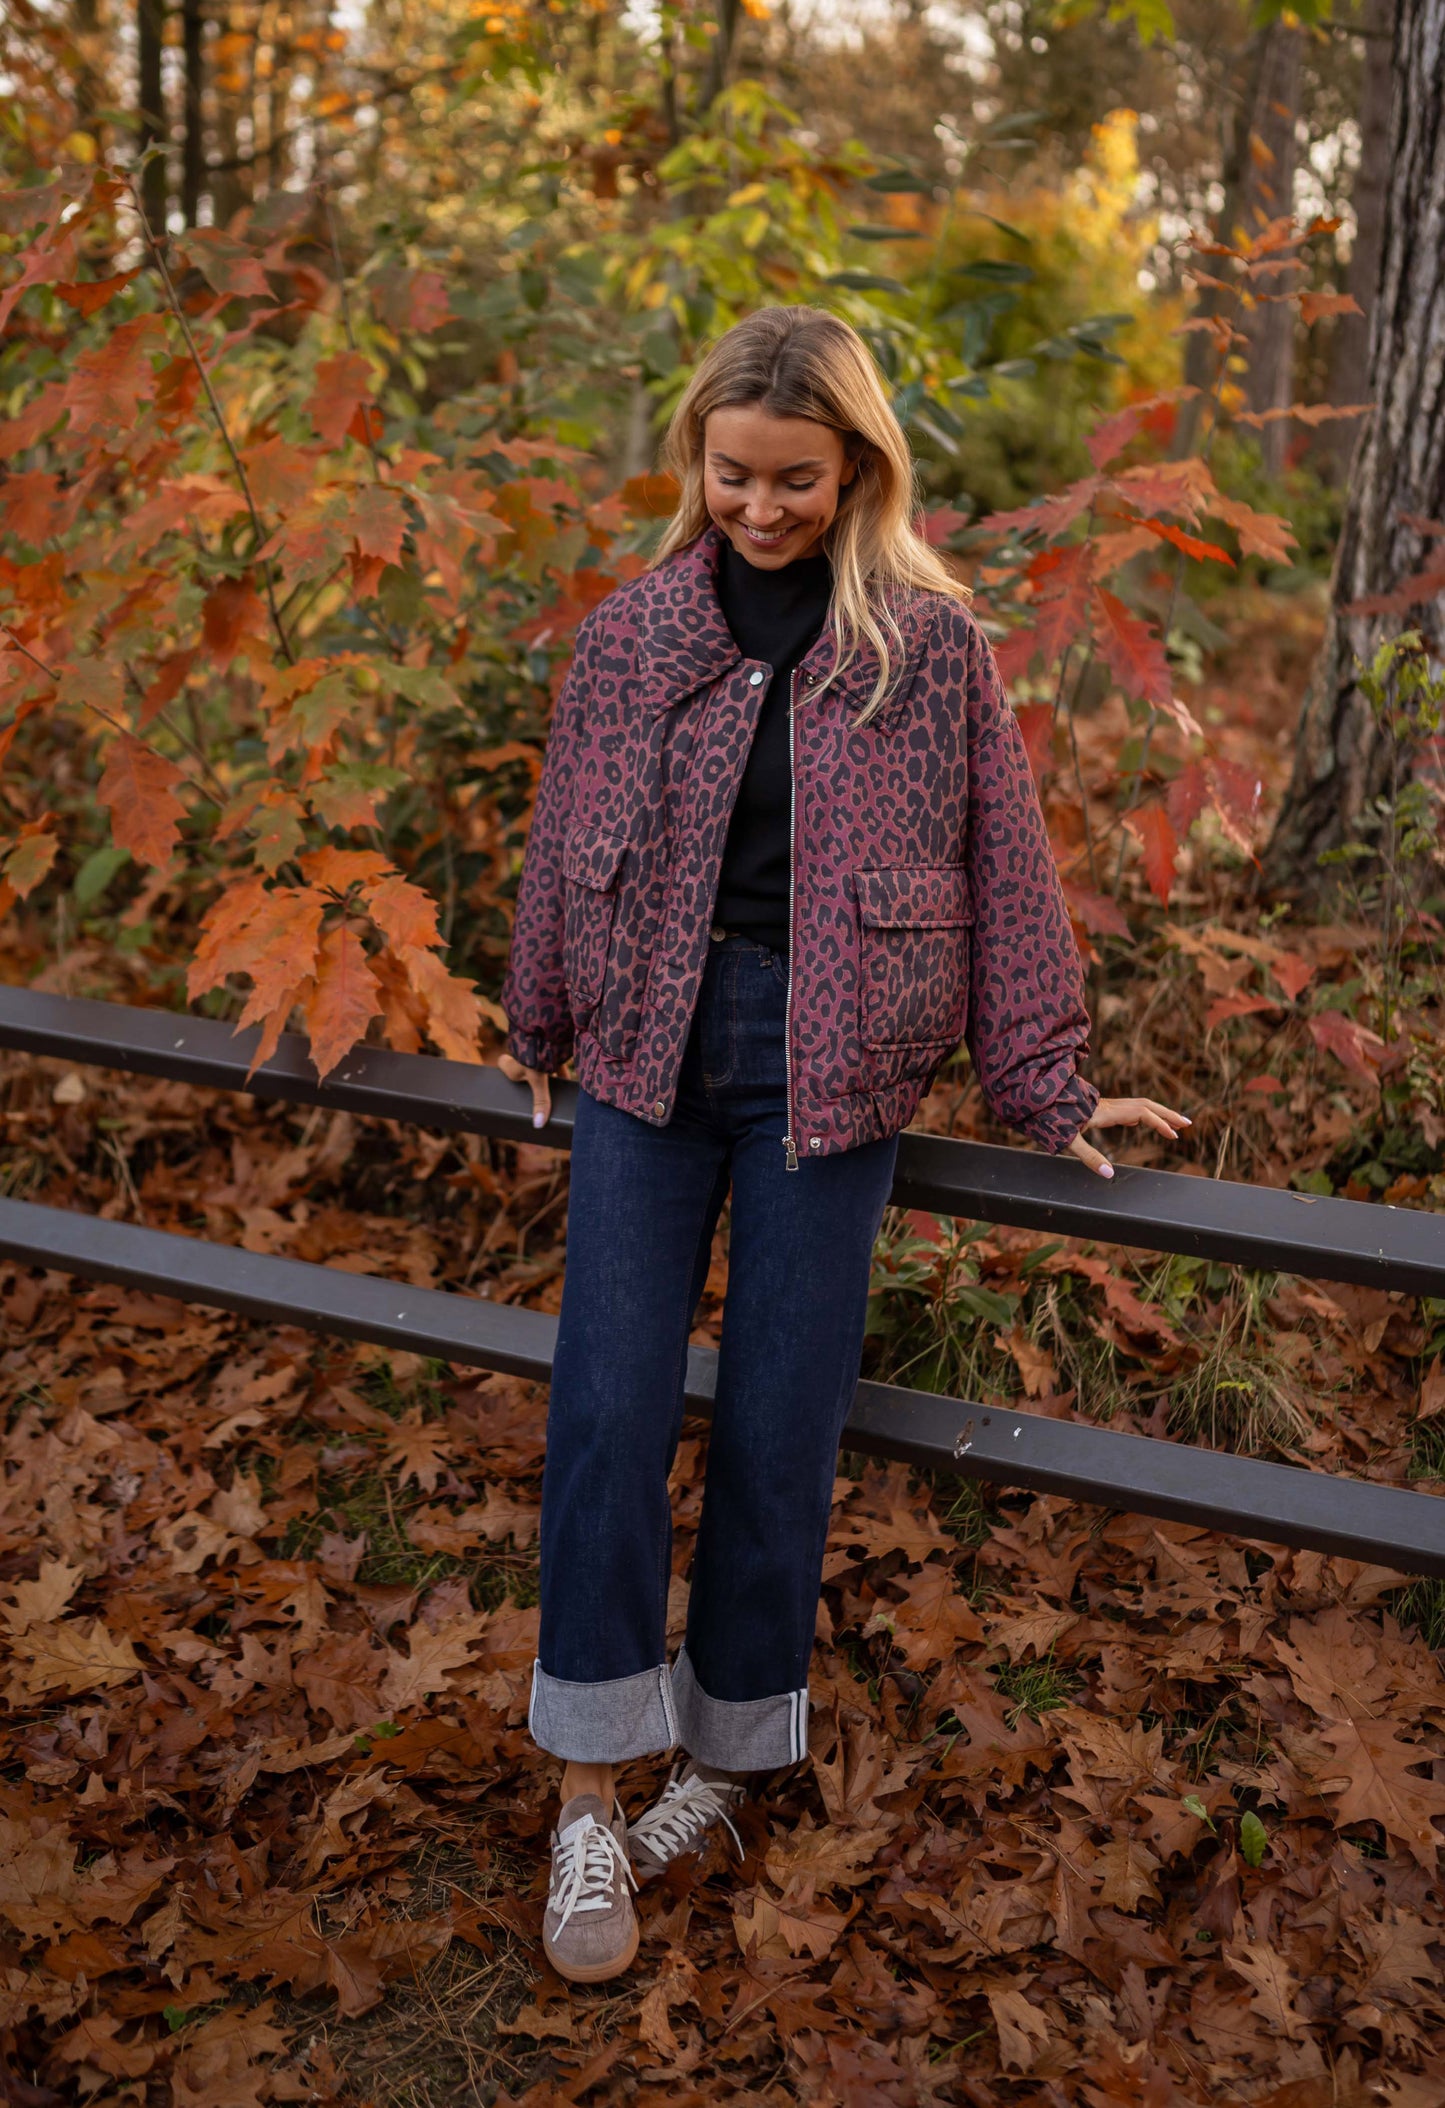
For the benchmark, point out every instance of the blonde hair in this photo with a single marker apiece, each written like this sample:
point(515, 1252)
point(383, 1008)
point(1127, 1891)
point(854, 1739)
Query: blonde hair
point(804, 362)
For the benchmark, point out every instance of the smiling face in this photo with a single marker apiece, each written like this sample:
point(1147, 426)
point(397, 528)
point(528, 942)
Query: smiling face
point(772, 484)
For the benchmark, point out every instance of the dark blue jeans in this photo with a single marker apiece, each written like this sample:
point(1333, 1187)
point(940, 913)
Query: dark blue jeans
point(643, 1207)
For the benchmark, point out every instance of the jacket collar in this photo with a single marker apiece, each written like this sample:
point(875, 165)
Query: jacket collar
point(685, 638)
point(686, 641)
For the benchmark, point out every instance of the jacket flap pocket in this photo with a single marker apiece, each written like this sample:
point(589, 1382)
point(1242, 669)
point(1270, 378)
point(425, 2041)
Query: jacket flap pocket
point(914, 897)
point(592, 856)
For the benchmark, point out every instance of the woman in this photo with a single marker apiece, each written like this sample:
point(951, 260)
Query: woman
point(786, 854)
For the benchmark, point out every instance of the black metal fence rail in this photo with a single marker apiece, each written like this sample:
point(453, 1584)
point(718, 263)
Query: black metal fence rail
point(1161, 1211)
point(1362, 1242)
point(1274, 1502)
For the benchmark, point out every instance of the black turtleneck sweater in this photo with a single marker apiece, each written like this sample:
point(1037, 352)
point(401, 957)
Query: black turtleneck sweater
point(775, 616)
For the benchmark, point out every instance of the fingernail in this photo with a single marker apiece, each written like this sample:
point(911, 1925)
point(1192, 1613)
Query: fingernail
point(1185, 1121)
point(539, 1119)
point(1106, 1171)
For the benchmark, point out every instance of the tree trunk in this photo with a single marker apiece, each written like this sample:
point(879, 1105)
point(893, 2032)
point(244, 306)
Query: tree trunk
point(193, 150)
point(1341, 758)
point(1350, 350)
point(233, 88)
point(89, 49)
point(1201, 354)
point(150, 31)
point(1269, 195)
point(721, 55)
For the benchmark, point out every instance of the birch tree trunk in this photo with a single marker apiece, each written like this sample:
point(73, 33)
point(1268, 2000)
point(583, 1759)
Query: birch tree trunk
point(1341, 760)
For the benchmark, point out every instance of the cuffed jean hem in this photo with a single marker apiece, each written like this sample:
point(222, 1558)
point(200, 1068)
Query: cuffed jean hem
point(602, 1723)
point(749, 1734)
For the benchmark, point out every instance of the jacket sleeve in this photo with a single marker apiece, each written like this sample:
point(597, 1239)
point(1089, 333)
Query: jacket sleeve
point(1028, 1027)
point(534, 992)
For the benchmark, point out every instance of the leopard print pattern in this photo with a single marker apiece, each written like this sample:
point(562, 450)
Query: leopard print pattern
point(927, 908)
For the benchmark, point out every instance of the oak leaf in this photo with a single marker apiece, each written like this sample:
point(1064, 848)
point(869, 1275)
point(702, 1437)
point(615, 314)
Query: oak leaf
point(343, 383)
point(453, 1010)
point(1023, 2030)
point(773, 1930)
point(1062, 610)
point(828, 1857)
point(232, 610)
point(1127, 1867)
point(342, 1678)
point(109, 382)
point(1353, 1045)
point(405, 915)
point(932, 1618)
point(1274, 1987)
point(1034, 1363)
point(1264, 534)
point(378, 519)
point(31, 858)
point(350, 1798)
point(1151, 827)
point(341, 1000)
point(40, 1601)
point(277, 948)
point(417, 1449)
point(73, 1656)
point(95, 2041)
point(1132, 651)
point(89, 296)
point(432, 1657)
point(139, 789)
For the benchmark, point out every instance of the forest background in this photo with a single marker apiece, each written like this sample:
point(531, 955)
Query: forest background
point(336, 346)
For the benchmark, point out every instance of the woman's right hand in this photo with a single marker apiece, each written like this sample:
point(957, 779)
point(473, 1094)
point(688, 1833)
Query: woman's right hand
point(539, 1082)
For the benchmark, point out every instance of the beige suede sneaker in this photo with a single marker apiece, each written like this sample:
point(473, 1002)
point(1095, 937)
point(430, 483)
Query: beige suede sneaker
point(694, 1798)
point(589, 1930)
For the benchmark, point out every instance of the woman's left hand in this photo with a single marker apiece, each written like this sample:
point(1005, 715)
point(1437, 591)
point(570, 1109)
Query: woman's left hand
point(1125, 1112)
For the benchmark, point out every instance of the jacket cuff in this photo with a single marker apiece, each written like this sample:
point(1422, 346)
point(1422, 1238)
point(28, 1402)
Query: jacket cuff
point(1055, 1126)
point(538, 1050)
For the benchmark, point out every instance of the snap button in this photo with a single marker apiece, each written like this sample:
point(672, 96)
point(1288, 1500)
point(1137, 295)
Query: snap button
point(717, 933)
point(661, 1106)
point(755, 680)
point(816, 1143)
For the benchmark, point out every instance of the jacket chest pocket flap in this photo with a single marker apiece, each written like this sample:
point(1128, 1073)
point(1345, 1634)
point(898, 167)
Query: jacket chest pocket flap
point(592, 866)
point(914, 954)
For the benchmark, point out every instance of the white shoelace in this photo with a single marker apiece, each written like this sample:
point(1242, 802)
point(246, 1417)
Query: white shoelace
point(584, 1868)
point(687, 1808)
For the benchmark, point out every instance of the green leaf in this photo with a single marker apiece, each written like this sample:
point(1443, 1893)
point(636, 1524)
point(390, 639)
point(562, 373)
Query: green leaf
point(1197, 1808)
point(419, 684)
point(1154, 18)
point(995, 270)
point(92, 880)
point(866, 282)
point(1015, 234)
point(1253, 1838)
point(900, 182)
point(1013, 370)
point(888, 234)
point(984, 1303)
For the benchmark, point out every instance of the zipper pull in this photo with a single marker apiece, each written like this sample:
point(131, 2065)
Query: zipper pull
point(790, 1161)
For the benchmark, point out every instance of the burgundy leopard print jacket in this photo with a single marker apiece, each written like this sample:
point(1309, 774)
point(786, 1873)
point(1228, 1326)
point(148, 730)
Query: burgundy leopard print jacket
point(926, 904)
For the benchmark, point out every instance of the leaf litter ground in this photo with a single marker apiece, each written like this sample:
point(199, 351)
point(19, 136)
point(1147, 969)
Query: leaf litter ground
point(1097, 1810)
point(273, 1829)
